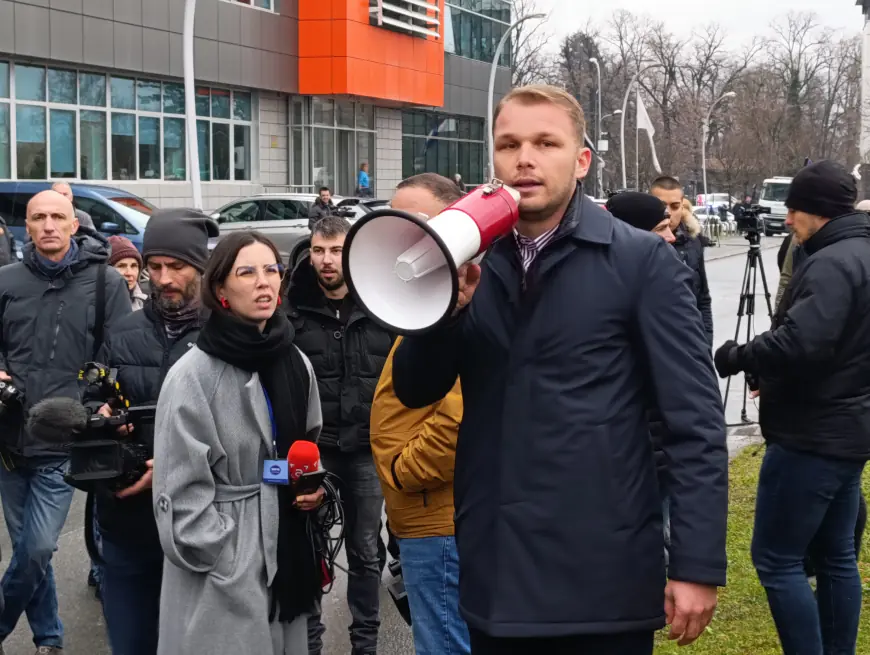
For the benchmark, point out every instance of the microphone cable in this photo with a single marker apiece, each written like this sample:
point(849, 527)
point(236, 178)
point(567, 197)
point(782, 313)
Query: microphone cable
point(326, 530)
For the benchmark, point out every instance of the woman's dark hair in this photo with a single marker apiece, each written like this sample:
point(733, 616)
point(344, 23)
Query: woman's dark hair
point(220, 264)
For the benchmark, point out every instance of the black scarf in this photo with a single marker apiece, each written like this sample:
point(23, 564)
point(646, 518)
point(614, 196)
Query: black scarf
point(285, 378)
point(177, 321)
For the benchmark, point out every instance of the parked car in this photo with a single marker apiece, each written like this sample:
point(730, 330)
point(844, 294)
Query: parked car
point(284, 218)
point(114, 211)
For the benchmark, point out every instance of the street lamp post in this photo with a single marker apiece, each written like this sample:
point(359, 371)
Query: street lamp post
point(491, 95)
point(190, 103)
point(634, 80)
point(705, 131)
point(598, 168)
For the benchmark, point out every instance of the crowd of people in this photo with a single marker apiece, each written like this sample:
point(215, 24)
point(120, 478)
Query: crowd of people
point(552, 459)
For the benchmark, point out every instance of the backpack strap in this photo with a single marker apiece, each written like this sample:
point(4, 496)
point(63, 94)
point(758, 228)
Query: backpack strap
point(100, 306)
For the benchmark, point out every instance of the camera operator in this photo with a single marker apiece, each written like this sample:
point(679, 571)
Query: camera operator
point(813, 369)
point(739, 209)
point(56, 306)
point(143, 347)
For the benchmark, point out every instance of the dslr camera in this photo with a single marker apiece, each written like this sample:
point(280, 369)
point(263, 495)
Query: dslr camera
point(11, 399)
point(99, 454)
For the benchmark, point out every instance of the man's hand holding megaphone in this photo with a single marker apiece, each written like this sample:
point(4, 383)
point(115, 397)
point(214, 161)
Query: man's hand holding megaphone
point(469, 278)
point(411, 273)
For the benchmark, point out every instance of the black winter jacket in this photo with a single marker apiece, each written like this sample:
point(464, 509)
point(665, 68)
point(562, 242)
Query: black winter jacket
point(318, 210)
point(814, 364)
point(47, 330)
point(347, 358)
point(142, 354)
point(691, 252)
point(558, 518)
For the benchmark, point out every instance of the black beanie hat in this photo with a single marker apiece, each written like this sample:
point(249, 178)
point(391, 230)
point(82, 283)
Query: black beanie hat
point(823, 189)
point(179, 233)
point(640, 210)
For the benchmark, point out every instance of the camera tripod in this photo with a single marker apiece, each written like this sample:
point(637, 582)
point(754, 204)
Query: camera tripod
point(754, 264)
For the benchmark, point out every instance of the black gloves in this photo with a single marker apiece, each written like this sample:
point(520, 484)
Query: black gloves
point(727, 359)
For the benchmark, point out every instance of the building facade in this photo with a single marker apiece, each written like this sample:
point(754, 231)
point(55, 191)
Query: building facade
point(291, 95)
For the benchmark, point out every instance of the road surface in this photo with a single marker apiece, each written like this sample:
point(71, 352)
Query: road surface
point(80, 611)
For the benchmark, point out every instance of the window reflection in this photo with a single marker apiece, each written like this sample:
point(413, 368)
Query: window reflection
point(476, 35)
point(149, 148)
point(30, 83)
point(63, 143)
point(174, 152)
point(92, 128)
point(123, 146)
point(62, 86)
point(443, 144)
point(92, 89)
point(5, 150)
point(30, 142)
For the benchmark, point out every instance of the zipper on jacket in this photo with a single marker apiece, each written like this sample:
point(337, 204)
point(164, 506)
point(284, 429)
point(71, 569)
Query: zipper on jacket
point(56, 330)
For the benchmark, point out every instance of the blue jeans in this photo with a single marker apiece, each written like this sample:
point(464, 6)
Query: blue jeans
point(809, 504)
point(131, 596)
point(430, 568)
point(36, 502)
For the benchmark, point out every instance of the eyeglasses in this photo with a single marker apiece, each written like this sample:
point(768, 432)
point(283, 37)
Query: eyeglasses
point(248, 274)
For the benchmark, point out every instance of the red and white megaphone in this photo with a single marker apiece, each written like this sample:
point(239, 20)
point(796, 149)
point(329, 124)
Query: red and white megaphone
point(402, 268)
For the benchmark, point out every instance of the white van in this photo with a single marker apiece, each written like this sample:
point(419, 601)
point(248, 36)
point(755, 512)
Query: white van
point(774, 191)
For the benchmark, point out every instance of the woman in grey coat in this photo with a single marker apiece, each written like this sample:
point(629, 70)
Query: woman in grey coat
point(240, 574)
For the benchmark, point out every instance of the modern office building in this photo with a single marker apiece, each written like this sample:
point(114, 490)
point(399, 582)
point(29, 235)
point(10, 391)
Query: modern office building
point(290, 94)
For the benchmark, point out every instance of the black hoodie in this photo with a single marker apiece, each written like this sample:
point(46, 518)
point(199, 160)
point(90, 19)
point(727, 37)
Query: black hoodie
point(48, 330)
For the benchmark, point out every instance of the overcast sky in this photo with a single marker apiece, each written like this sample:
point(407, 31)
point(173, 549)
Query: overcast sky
point(741, 18)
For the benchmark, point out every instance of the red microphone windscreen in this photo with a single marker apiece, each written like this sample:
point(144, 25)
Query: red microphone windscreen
point(303, 457)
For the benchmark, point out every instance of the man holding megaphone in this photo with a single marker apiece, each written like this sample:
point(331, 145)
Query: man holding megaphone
point(562, 336)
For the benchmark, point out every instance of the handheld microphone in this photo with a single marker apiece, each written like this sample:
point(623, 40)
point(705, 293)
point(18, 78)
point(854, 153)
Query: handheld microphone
point(303, 464)
point(57, 420)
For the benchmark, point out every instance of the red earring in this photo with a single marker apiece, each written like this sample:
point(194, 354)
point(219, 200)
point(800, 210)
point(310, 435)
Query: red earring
point(280, 300)
point(225, 303)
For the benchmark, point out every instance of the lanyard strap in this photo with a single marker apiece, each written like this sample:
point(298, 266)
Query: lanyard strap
point(272, 422)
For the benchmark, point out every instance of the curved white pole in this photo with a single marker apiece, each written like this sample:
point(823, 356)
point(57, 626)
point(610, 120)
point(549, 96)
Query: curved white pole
point(190, 103)
point(492, 71)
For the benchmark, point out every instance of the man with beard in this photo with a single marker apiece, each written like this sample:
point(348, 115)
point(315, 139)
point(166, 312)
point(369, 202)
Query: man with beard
point(142, 348)
point(348, 351)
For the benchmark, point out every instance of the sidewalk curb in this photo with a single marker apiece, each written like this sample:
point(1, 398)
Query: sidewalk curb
point(742, 436)
point(717, 252)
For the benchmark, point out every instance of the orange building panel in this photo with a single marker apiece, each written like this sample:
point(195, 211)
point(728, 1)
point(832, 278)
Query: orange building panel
point(340, 53)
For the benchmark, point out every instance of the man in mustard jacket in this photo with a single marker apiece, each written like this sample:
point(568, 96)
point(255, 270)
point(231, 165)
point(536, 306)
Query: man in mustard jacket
point(414, 452)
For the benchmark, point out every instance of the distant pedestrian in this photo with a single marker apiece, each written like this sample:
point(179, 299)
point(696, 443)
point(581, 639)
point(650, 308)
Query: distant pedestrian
point(127, 261)
point(362, 181)
point(83, 217)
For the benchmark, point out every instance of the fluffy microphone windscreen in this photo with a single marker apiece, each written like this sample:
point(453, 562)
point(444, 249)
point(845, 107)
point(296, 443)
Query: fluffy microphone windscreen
point(303, 457)
point(54, 420)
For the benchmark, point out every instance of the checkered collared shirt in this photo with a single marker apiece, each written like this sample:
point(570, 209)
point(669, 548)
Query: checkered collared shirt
point(529, 248)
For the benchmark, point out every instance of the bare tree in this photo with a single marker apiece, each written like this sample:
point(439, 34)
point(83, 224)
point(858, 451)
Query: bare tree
point(530, 63)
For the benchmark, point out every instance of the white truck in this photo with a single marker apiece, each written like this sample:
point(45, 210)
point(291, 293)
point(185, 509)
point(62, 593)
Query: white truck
point(774, 191)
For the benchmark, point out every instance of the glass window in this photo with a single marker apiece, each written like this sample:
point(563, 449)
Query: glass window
point(242, 212)
point(173, 98)
point(323, 158)
point(30, 142)
point(123, 146)
point(344, 113)
point(241, 106)
point(174, 152)
point(345, 184)
point(203, 101)
point(4, 79)
point(149, 148)
point(63, 142)
point(282, 210)
point(203, 142)
point(5, 151)
point(242, 151)
point(92, 89)
point(92, 137)
point(300, 141)
point(30, 83)
point(123, 93)
point(220, 151)
point(220, 103)
point(365, 116)
point(297, 111)
point(452, 144)
point(322, 112)
point(148, 94)
point(62, 86)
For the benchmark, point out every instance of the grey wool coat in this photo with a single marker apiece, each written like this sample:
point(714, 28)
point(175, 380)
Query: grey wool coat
point(218, 523)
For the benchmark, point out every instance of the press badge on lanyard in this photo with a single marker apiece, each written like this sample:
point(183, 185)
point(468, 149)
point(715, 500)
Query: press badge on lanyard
point(275, 471)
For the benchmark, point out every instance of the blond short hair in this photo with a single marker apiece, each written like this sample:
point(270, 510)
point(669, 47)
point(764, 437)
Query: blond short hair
point(540, 94)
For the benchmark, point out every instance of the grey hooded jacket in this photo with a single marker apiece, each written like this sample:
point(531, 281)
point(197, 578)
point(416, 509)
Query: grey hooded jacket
point(47, 331)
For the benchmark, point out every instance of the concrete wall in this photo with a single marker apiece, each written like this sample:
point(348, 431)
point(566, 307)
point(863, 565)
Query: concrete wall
point(235, 45)
point(388, 156)
point(466, 83)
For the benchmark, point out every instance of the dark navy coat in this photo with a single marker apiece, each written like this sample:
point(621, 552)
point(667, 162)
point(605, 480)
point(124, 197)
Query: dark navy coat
point(558, 514)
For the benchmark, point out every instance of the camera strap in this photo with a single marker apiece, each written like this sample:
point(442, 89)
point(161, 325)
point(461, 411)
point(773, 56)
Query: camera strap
point(100, 309)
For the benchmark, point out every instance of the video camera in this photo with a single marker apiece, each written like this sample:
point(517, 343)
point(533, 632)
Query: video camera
point(99, 453)
point(750, 221)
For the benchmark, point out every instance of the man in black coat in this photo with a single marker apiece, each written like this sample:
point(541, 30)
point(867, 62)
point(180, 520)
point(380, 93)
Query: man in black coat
point(577, 322)
point(347, 351)
point(813, 367)
point(55, 308)
point(143, 347)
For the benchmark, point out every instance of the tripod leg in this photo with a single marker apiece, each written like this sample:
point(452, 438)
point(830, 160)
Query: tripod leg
point(766, 288)
point(754, 260)
point(741, 309)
